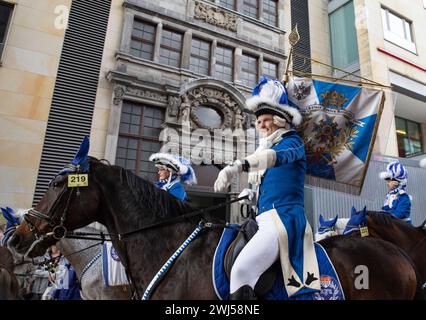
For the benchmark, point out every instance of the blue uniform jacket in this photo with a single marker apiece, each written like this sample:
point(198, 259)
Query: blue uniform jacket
point(401, 207)
point(282, 189)
point(175, 188)
point(283, 184)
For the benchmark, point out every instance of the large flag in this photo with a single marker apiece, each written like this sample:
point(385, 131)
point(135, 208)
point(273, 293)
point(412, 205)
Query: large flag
point(339, 128)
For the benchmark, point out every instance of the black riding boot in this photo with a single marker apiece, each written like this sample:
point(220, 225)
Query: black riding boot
point(243, 293)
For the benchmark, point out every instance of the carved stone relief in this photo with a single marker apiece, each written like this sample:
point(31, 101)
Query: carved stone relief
point(215, 16)
point(120, 91)
point(220, 101)
point(173, 106)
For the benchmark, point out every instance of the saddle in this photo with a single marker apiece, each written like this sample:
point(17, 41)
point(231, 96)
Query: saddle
point(246, 232)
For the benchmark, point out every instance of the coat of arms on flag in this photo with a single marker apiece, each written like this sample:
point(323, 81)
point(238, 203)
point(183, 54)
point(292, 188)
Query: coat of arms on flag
point(339, 128)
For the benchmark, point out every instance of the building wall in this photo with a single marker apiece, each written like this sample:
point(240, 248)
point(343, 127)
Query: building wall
point(320, 36)
point(376, 65)
point(104, 96)
point(27, 77)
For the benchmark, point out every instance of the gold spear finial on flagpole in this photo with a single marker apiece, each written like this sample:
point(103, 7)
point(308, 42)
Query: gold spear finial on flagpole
point(293, 39)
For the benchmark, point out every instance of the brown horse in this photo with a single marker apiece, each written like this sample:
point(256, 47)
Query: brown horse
point(385, 226)
point(9, 286)
point(148, 228)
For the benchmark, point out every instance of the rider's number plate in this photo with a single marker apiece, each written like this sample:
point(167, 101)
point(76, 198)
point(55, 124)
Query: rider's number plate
point(78, 180)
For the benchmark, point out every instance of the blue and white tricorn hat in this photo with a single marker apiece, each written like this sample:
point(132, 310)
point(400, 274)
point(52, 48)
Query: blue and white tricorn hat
point(270, 97)
point(395, 170)
point(175, 164)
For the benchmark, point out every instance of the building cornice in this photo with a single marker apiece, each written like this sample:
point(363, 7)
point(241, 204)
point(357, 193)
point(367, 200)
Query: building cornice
point(220, 33)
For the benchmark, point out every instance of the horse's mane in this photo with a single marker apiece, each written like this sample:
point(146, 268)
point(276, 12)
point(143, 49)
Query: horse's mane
point(381, 217)
point(140, 195)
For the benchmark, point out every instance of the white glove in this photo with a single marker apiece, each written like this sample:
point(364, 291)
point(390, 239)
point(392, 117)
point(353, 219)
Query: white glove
point(225, 176)
point(251, 195)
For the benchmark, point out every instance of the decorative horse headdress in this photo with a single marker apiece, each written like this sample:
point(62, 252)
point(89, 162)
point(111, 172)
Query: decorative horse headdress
point(326, 225)
point(396, 171)
point(175, 164)
point(80, 162)
point(270, 97)
point(10, 217)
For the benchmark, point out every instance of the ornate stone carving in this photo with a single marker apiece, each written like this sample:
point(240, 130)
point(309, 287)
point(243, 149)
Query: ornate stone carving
point(173, 106)
point(147, 94)
point(221, 101)
point(119, 92)
point(215, 16)
point(250, 120)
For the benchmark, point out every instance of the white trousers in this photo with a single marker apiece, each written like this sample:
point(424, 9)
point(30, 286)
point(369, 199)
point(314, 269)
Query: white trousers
point(257, 256)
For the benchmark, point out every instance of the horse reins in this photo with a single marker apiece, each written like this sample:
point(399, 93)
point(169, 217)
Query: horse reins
point(121, 236)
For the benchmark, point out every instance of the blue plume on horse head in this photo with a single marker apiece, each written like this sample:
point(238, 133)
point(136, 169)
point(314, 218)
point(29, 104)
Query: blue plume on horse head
point(327, 225)
point(357, 220)
point(81, 158)
point(10, 217)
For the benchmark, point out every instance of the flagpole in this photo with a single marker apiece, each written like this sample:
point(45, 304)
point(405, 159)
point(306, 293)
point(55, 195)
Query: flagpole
point(293, 38)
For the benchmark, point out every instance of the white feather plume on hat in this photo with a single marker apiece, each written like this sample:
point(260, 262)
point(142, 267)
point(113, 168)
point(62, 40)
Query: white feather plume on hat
point(269, 96)
point(176, 164)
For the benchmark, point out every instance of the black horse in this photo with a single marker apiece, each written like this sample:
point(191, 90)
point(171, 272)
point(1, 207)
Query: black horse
point(148, 229)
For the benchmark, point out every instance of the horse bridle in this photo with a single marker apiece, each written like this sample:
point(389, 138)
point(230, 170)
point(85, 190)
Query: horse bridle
point(59, 231)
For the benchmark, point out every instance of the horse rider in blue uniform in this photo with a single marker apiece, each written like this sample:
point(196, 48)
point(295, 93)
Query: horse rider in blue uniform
point(172, 172)
point(397, 202)
point(277, 168)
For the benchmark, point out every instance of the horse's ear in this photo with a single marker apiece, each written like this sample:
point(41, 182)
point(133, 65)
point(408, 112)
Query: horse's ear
point(81, 157)
point(321, 219)
point(335, 219)
point(353, 212)
point(364, 211)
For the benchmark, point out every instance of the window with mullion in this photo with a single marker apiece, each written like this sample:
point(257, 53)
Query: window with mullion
point(140, 128)
point(224, 68)
point(270, 69)
point(143, 40)
point(251, 8)
point(200, 56)
point(230, 4)
point(409, 137)
point(171, 48)
point(249, 70)
point(343, 34)
point(398, 30)
point(270, 12)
